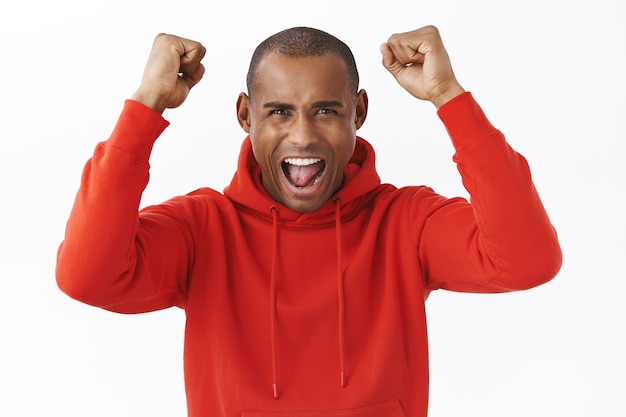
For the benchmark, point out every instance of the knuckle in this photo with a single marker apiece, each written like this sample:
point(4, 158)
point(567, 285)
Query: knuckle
point(162, 40)
point(395, 38)
point(431, 31)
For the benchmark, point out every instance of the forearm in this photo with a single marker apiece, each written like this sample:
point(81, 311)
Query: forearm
point(505, 234)
point(98, 253)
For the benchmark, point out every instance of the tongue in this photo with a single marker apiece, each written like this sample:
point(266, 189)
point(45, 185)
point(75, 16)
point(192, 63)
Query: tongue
point(301, 176)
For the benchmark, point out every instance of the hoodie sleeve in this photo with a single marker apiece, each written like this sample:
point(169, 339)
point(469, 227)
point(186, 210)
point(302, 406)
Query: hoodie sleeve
point(502, 240)
point(102, 259)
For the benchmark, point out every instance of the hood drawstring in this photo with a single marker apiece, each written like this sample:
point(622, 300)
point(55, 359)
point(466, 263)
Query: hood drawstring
point(340, 295)
point(275, 213)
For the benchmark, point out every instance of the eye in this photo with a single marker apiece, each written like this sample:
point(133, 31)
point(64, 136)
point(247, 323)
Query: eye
point(326, 111)
point(280, 112)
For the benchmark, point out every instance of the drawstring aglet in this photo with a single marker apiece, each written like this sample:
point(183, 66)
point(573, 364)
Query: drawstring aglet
point(342, 378)
point(275, 387)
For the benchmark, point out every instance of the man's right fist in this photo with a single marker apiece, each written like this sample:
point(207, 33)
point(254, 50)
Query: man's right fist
point(174, 67)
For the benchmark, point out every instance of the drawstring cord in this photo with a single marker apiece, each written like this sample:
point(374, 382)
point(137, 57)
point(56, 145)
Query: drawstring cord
point(274, 211)
point(340, 294)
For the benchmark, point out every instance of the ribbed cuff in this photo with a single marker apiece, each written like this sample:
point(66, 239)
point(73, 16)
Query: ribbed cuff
point(137, 128)
point(464, 120)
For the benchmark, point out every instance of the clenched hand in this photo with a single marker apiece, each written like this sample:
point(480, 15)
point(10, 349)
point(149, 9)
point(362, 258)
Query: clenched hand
point(174, 67)
point(420, 64)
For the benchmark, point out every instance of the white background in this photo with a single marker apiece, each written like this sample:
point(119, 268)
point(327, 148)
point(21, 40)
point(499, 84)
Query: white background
point(549, 74)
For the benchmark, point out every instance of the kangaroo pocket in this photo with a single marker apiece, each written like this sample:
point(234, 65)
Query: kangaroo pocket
point(387, 409)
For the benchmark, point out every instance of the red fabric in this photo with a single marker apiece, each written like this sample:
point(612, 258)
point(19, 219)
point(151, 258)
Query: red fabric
point(259, 282)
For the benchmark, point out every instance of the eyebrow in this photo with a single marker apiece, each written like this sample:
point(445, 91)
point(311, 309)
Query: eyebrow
point(326, 103)
point(316, 105)
point(278, 105)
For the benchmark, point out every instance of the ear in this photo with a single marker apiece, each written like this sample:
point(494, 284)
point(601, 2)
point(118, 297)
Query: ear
point(243, 112)
point(361, 109)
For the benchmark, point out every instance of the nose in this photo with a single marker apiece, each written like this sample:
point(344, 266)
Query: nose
point(303, 132)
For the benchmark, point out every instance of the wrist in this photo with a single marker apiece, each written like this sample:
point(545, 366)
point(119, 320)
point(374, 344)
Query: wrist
point(149, 100)
point(446, 95)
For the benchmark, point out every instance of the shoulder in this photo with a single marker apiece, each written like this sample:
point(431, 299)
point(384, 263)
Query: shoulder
point(196, 204)
point(406, 195)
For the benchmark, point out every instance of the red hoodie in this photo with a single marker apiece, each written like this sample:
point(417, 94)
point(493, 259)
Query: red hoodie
point(305, 314)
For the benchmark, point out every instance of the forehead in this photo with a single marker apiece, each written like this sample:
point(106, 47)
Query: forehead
point(279, 74)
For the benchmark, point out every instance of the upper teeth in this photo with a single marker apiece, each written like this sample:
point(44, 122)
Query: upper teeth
point(302, 161)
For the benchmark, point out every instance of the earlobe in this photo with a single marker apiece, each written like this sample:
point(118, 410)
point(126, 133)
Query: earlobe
point(243, 112)
point(361, 109)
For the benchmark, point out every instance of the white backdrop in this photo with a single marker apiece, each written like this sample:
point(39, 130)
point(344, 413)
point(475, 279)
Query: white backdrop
point(550, 75)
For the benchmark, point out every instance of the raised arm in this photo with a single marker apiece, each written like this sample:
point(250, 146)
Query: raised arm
point(113, 257)
point(503, 240)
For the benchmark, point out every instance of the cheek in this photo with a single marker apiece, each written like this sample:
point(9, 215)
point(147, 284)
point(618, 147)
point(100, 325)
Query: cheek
point(345, 146)
point(348, 151)
point(262, 148)
point(260, 154)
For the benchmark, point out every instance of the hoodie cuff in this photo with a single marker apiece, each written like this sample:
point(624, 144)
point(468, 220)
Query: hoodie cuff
point(464, 120)
point(137, 128)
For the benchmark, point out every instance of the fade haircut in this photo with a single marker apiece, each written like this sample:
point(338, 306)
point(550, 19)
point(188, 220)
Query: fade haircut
point(301, 42)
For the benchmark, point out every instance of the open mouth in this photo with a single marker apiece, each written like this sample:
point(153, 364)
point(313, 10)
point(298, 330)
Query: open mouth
point(303, 172)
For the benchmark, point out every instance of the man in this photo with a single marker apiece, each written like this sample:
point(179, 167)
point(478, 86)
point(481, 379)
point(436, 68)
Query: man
point(304, 282)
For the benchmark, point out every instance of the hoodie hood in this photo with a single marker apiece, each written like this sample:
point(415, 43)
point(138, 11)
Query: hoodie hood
point(360, 177)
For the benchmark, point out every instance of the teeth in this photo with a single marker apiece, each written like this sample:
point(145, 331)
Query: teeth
point(302, 161)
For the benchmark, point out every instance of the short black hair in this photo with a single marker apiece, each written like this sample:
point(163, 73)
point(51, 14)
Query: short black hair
point(300, 42)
